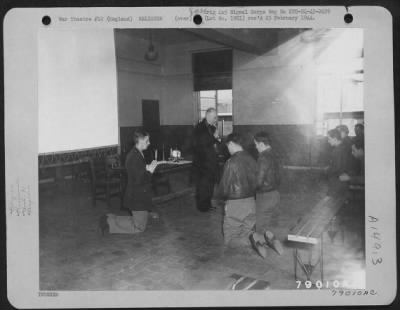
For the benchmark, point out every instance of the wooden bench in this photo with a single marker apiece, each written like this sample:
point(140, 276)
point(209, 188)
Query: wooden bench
point(309, 231)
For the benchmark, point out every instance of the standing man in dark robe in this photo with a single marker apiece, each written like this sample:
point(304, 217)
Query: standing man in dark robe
point(205, 159)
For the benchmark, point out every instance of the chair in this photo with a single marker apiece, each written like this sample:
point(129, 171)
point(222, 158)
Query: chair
point(105, 182)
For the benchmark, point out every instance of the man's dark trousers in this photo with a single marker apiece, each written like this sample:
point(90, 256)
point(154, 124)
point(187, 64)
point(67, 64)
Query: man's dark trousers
point(204, 191)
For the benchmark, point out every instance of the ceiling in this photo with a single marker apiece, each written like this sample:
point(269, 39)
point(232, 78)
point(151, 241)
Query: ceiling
point(252, 40)
point(162, 36)
point(257, 41)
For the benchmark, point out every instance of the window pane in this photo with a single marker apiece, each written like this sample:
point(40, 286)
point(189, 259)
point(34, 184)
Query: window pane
point(332, 123)
point(225, 125)
point(320, 127)
point(207, 94)
point(224, 96)
point(224, 108)
point(206, 103)
point(220, 127)
point(224, 101)
point(227, 128)
point(350, 123)
point(202, 114)
point(207, 99)
point(338, 93)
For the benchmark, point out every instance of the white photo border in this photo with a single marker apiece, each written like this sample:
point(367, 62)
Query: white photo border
point(21, 27)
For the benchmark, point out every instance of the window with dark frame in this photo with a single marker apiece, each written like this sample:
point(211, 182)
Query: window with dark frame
point(212, 83)
point(221, 100)
point(340, 102)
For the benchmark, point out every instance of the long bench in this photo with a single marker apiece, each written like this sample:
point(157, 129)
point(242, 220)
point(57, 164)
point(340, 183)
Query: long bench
point(309, 231)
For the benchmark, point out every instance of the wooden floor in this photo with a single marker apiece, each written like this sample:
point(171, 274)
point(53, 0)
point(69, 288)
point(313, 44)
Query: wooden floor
point(183, 249)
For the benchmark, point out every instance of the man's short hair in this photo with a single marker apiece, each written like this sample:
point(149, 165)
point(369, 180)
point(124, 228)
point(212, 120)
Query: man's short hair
point(335, 134)
point(209, 110)
point(263, 137)
point(358, 143)
point(235, 138)
point(359, 125)
point(139, 134)
point(343, 128)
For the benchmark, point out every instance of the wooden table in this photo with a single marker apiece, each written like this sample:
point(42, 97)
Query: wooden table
point(163, 169)
point(171, 166)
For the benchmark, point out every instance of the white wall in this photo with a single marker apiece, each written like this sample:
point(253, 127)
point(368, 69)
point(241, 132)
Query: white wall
point(178, 102)
point(280, 87)
point(168, 80)
point(137, 78)
point(276, 88)
point(132, 89)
